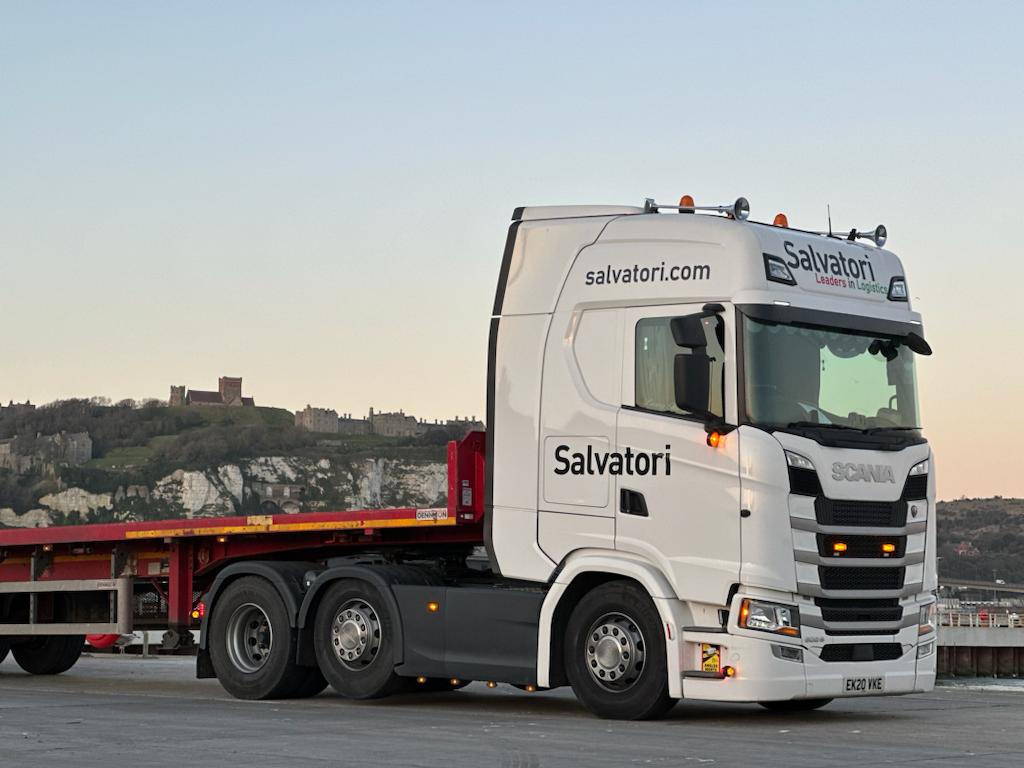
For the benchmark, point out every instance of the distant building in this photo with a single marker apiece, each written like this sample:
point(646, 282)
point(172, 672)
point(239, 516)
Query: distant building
point(229, 393)
point(966, 549)
point(317, 419)
point(347, 425)
point(278, 497)
point(390, 424)
point(470, 424)
point(22, 453)
point(16, 409)
point(395, 424)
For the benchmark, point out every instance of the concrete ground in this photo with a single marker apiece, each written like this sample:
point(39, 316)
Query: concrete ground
point(121, 711)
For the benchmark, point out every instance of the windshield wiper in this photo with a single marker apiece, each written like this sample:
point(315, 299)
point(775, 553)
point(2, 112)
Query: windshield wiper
point(819, 425)
point(874, 430)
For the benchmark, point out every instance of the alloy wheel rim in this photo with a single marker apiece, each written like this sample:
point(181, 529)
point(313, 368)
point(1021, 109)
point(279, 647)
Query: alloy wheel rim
point(615, 652)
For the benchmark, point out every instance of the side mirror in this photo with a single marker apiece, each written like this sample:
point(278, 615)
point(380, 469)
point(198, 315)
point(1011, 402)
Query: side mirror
point(916, 343)
point(692, 375)
point(688, 331)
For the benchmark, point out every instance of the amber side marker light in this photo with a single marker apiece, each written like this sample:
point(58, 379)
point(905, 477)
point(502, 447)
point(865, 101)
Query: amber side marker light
point(888, 548)
point(714, 439)
point(491, 684)
point(839, 546)
point(729, 671)
point(199, 611)
point(433, 607)
point(421, 679)
point(530, 688)
point(780, 220)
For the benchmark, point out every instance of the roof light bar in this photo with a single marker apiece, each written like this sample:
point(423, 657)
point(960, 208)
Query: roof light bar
point(740, 210)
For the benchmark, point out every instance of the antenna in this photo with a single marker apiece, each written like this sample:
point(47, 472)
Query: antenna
point(829, 209)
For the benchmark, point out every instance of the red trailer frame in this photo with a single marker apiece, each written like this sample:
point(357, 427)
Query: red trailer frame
point(178, 559)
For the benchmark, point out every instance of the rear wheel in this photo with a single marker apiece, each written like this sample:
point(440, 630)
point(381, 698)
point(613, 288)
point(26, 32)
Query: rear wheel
point(354, 641)
point(49, 655)
point(614, 656)
point(252, 644)
point(795, 705)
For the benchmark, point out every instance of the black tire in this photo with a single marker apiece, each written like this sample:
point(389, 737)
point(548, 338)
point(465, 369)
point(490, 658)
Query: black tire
point(49, 655)
point(615, 656)
point(354, 641)
point(252, 644)
point(795, 705)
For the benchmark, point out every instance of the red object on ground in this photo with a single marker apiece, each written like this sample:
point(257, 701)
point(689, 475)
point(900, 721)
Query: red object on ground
point(101, 642)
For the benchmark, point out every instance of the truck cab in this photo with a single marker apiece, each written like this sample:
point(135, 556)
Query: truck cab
point(726, 412)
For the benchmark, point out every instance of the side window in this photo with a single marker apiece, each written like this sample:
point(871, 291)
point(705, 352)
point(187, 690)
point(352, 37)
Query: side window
point(659, 375)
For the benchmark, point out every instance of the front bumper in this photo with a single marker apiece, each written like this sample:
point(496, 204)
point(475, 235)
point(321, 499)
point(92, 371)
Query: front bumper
point(761, 675)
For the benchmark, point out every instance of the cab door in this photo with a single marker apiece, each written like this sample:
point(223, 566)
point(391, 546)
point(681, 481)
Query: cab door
point(681, 513)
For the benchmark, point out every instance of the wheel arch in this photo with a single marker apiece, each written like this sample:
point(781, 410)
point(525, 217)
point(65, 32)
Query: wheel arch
point(287, 579)
point(382, 576)
point(579, 573)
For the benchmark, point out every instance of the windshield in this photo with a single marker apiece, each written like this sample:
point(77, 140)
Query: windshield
point(808, 375)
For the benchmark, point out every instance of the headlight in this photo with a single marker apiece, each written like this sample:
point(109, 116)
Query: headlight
point(929, 616)
point(919, 469)
point(800, 462)
point(770, 617)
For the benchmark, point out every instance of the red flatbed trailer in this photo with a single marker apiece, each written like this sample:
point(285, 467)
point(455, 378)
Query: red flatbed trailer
point(100, 578)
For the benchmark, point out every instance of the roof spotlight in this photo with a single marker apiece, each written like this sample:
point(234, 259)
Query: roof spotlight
point(741, 209)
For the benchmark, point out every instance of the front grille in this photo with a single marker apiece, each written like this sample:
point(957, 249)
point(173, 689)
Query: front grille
point(881, 514)
point(916, 488)
point(837, 609)
point(862, 652)
point(860, 546)
point(832, 577)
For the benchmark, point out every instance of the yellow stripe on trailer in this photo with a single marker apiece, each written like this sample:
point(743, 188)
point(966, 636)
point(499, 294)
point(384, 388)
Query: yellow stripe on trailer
point(270, 527)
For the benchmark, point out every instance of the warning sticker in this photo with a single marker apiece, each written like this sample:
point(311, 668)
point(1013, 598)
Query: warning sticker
point(711, 657)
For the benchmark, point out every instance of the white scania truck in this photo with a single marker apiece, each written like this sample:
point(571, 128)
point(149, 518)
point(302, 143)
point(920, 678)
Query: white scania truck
point(703, 477)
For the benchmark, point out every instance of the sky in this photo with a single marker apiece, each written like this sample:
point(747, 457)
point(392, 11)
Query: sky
point(315, 195)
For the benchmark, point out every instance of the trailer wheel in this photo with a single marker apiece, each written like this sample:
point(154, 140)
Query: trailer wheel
point(49, 655)
point(252, 644)
point(353, 637)
point(614, 655)
point(795, 705)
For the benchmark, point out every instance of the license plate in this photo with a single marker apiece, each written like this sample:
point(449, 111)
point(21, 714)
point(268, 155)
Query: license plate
point(863, 685)
point(711, 657)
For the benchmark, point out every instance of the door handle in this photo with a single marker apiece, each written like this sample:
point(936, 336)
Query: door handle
point(632, 503)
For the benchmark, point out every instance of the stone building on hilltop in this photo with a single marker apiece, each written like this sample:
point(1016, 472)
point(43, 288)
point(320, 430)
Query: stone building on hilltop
point(229, 393)
point(317, 419)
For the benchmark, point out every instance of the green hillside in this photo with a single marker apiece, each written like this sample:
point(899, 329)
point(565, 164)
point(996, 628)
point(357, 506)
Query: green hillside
point(992, 531)
point(138, 444)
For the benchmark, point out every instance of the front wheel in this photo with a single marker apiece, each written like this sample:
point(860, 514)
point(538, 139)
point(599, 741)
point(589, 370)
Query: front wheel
point(354, 641)
point(49, 655)
point(795, 705)
point(614, 654)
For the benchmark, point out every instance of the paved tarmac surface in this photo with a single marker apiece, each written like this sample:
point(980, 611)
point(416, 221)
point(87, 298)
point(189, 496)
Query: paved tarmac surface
point(126, 711)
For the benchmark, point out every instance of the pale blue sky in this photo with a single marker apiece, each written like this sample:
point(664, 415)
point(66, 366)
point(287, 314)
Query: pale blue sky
point(315, 195)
